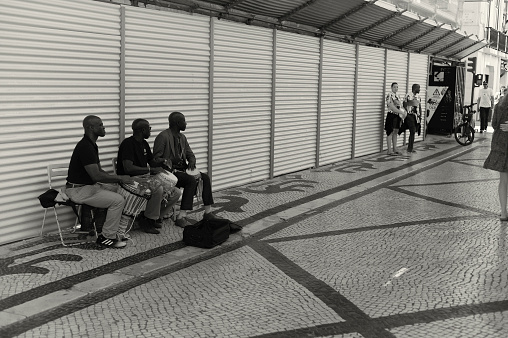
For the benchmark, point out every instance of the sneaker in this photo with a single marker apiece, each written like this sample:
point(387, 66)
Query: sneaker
point(148, 226)
point(210, 216)
point(181, 222)
point(123, 237)
point(110, 243)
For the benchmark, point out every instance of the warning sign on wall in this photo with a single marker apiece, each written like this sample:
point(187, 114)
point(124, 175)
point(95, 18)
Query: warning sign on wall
point(436, 96)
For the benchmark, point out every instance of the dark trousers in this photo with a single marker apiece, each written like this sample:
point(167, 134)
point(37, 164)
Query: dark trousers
point(411, 125)
point(484, 117)
point(189, 185)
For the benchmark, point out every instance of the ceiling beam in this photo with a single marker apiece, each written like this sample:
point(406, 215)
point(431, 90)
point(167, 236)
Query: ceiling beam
point(453, 43)
point(345, 15)
point(233, 4)
point(392, 34)
point(421, 35)
point(377, 23)
point(295, 10)
point(471, 45)
point(436, 40)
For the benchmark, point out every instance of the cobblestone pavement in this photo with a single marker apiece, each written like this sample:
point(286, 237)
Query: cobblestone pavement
point(381, 246)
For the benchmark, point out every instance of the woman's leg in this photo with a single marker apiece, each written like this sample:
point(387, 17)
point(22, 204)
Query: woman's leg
point(389, 142)
point(503, 191)
point(394, 139)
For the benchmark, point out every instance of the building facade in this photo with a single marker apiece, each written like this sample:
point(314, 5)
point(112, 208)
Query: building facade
point(261, 100)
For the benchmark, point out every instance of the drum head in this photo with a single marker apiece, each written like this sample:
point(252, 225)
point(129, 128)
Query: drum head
point(194, 173)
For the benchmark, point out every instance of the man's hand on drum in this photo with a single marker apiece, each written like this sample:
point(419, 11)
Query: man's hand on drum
point(165, 163)
point(192, 166)
point(126, 179)
point(156, 170)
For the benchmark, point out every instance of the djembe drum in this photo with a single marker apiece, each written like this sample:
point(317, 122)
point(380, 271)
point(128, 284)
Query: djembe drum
point(165, 179)
point(136, 196)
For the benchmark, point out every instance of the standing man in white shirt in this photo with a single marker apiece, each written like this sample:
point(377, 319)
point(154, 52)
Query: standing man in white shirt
point(485, 103)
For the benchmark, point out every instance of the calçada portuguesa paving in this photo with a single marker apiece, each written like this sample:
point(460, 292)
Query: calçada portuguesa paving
point(380, 246)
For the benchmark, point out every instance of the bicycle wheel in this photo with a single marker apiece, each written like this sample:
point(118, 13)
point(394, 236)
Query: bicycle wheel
point(464, 134)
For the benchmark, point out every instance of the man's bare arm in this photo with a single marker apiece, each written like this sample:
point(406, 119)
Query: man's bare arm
point(99, 175)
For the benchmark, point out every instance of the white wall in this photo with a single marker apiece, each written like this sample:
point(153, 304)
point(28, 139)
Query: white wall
point(87, 57)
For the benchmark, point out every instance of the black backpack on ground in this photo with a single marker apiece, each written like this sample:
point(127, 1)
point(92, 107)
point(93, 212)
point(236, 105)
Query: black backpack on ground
point(208, 233)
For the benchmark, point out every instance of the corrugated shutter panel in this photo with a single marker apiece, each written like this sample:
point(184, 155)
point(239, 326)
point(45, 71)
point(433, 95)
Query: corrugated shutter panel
point(167, 62)
point(396, 71)
point(370, 101)
point(418, 70)
point(242, 98)
point(297, 72)
point(337, 100)
point(59, 62)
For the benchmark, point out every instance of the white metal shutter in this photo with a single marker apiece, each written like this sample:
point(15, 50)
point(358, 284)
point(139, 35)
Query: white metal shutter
point(418, 73)
point(370, 101)
point(59, 61)
point(167, 62)
point(396, 71)
point(297, 72)
point(337, 100)
point(242, 99)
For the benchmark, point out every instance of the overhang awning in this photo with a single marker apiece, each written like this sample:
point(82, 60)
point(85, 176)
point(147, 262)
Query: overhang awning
point(370, 22)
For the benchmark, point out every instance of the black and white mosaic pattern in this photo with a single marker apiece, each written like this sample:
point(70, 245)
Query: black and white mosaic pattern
point(382, 246)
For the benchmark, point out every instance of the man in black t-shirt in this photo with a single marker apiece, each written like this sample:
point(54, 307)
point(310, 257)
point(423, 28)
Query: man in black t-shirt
point(85, 178)
point(135, 158)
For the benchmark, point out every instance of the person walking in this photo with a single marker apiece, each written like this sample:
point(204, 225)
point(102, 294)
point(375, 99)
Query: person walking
point(498, 156)
point(485, 104)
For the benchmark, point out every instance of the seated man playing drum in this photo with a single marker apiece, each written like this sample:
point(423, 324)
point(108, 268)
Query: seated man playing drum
point(135, 158)
point(172, 147)
point(83, 185)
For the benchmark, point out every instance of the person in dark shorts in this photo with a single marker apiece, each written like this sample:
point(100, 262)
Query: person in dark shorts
point(394, 119)
point(498, 156)
point(413, 105)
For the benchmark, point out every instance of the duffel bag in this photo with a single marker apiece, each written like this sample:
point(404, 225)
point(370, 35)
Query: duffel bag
point(207, 233)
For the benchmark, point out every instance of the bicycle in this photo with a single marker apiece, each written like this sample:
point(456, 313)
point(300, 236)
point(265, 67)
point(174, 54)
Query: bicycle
point(464, 132)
